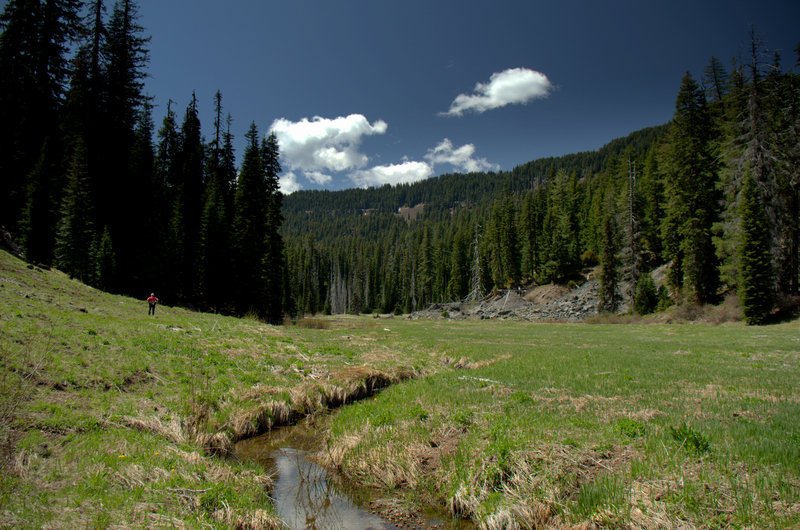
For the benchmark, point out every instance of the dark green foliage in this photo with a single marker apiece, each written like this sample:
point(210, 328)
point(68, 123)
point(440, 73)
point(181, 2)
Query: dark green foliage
point(691, 196)
point(646, 295)
point(35, 39)
point(274, 263)
point(76, 234)
point(216, 219)
point(756, 279)
point(609, 280)
point(664, 299)
point(40, 215)
point(630, 428)
point(187, 205)
point(249, 229)
point(690, 439)
point(105, 262)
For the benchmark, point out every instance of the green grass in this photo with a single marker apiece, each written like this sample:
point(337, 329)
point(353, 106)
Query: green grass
point(107, 415)
point(629, 424)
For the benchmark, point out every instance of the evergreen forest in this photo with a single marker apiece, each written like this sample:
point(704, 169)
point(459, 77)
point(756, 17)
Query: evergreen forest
point(91, 185)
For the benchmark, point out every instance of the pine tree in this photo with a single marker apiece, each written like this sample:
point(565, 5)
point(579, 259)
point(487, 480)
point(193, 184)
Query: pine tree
point(561, 251)
point(40, 214)
point(215, 226)
point(166, 181)
point(125, 57)
point(249, 230)
point(715, 80)
point(188, 203)
point(273, 258)
point(609, 279)
point(691, 194)
point(76, 233)
point(756, 283)
point(646, 295)
point(148, 195)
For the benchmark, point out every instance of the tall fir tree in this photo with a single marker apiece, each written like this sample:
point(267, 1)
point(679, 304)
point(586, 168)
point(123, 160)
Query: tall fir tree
point(692, 197)
point(756, 283)
point(76, 233)
point(188, 203)
point(125, 57)
point(215, 227)
point(609, 276)
point(249, 230)
point(274, 257)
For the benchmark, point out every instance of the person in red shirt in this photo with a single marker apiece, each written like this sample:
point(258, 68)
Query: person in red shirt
point(152, 300)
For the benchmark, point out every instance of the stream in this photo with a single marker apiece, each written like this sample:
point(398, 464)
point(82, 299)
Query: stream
point(305, 496)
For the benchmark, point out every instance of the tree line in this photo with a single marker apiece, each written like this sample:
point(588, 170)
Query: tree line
point(90, 187)
point(714, 194)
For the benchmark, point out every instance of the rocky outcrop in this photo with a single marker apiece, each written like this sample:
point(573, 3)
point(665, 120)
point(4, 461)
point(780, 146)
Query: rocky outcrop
point(570, 305)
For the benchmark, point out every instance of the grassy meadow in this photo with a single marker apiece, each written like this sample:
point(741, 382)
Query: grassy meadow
point(110, 417)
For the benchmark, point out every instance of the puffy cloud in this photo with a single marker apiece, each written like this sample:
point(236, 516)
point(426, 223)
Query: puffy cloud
point(288, 183)
point(319, 177)
point(515, 85)
point(404, 173)
point(323, 144)
point(461, 158)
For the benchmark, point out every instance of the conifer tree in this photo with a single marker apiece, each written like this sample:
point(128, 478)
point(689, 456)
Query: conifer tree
point(691, 194)
point(167, 182)
point(215, 227)
point(609, 279)
point(40, 214)
point(273, 257)
point(249, 230)
point(76, 233)
point(715, 80)
point(756, 283)
point(188, 203)
point(147, 195)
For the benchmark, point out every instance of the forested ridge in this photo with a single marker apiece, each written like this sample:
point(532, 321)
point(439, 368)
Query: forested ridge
point(92, 186)
point(715, 194)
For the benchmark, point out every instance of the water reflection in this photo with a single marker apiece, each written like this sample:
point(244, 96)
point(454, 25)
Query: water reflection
point(305, 498)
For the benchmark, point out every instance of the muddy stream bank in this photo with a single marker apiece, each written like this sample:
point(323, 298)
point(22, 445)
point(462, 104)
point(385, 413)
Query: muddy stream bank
point(306, 495)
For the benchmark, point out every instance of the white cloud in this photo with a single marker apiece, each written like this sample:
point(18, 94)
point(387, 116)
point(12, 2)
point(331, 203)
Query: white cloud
point(404, 173)
point(461, 158)
point(319, 177)
point(323, 144)
point(288, 183)
point(515, 85)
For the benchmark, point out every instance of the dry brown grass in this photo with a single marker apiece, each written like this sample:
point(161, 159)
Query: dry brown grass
point(541, 481)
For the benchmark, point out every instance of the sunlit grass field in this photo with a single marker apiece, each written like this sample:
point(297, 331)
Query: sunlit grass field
point(559, 424)
point(110, 417)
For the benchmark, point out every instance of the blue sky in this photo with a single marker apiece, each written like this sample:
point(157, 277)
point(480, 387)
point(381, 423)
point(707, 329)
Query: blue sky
point(367, 92)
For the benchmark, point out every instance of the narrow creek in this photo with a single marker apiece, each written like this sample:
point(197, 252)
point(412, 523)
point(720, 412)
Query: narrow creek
point(306, 496)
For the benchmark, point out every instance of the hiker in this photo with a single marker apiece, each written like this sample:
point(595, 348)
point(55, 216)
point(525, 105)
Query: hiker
point(152, 300)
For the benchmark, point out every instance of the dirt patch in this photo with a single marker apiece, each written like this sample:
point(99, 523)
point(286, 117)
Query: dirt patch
point(441, 445)
point(546, 293)
point(397, 513)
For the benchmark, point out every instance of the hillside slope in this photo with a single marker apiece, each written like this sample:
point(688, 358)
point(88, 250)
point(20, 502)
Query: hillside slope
point(110, 417)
